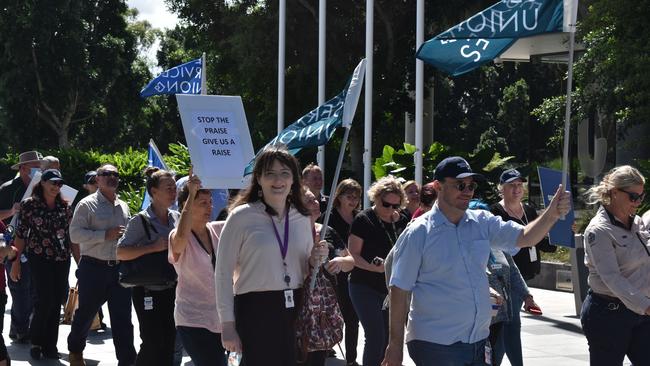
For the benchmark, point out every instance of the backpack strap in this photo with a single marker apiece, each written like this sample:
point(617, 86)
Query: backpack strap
point(145, 225)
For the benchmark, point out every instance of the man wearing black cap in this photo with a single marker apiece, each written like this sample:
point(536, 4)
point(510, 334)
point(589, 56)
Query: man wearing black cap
point(90, 182)
point(441, 258)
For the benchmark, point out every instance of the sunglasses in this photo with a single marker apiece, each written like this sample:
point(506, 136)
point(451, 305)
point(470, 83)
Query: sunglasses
point(463, 186)
point(387, 205)
point(633, 196)
point(58, 183)
point(109, 173)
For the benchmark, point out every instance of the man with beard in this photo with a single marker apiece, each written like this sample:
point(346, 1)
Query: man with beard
point(98, 222)
point(441, 257)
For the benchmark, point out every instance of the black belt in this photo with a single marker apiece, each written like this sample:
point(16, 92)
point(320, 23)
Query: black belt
point(93, 260)
point(614, 302)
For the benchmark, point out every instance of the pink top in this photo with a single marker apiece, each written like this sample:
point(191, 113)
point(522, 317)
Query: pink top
point(196, 302)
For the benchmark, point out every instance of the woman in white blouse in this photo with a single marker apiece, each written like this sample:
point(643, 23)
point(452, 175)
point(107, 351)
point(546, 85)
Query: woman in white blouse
point(264, 254)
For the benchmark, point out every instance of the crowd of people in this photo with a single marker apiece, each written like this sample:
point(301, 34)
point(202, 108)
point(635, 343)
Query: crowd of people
point(425, 266)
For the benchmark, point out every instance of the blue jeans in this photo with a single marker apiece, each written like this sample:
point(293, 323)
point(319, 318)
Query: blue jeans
point(457, 354)
point(613, 331)
point(203, 346)
point(368, 304)
point(22, 300)
point(511, 336)
point(97, 284)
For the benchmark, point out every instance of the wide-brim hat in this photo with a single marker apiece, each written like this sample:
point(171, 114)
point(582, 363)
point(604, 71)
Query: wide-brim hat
point(28, 157)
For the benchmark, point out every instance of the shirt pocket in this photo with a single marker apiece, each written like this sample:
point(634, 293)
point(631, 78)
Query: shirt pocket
point(479, 252)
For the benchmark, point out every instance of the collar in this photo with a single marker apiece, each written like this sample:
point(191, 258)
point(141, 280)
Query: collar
point(102, 198)
point(438, 217)
point(153, 217)
point(616, 222)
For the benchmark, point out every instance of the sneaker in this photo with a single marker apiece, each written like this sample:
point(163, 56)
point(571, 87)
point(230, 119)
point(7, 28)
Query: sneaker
point(76, 359)
point(36, 352)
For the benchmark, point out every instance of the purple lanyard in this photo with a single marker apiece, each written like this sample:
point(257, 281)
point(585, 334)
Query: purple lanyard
point(283, 246)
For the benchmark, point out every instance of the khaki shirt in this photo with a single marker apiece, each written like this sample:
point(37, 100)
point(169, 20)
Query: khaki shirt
point(619, 260)
point(92, 217)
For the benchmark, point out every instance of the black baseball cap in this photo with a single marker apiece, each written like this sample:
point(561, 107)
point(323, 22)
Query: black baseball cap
point(511, 175)
point(90, 177)
point(51, 174)
point(455, 167)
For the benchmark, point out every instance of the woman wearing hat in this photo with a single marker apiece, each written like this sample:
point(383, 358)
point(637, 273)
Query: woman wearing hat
point(43, 224)
point(511, 207)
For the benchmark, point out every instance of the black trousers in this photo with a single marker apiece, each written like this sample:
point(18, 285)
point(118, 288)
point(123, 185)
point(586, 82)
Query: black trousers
point(350, 319)
point(157, 328)
point(49, 279)
point(267, 328)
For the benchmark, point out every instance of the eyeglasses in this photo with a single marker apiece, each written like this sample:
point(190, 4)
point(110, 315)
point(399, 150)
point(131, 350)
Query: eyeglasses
point(633, 196)
point(387, 205)
point(58, 183)
point(461, 186)
point(109, 173)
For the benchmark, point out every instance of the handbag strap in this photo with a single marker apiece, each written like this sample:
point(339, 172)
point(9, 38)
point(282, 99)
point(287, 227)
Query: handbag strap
point(146, 225)
point(213, 258)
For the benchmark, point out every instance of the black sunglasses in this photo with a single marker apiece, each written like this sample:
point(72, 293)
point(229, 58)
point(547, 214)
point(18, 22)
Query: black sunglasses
point(109, 173)
point(387, 205)
point(463, 186)
point(633, 196)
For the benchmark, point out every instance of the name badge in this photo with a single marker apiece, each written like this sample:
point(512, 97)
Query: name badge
point(533, 254)
point(148, 303)
point(496, 266)
point(288, 299)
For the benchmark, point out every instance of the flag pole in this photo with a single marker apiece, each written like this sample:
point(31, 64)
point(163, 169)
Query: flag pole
point(322, 19)
point(419, 93)
point(282, 26)
point(330, 202)
point(204, 76)
point(567, 112)
point(367, 132)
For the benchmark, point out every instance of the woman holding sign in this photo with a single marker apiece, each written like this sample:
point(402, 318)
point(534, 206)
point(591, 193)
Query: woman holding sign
point(615, 312)
point(511, 208)
point(264, 254)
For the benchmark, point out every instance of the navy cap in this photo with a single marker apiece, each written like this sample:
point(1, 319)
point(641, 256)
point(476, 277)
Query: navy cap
point(455, 167)
point(51, 174)
point(91, 175)
point(511, 175)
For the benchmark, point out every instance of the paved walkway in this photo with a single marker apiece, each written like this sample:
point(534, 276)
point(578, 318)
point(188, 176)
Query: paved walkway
point(554, 338)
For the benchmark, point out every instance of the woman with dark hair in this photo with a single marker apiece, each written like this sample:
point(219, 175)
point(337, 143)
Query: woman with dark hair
point(347, 203)
point(148, 232)
point(264, 254)
point(428, 196)
point(43, 224)
point(192, 250)
point(373, 233)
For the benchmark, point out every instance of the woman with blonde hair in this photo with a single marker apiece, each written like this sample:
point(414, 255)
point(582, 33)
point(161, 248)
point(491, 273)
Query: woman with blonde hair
point(373, 233)
point(412, 190)
point(618, 258)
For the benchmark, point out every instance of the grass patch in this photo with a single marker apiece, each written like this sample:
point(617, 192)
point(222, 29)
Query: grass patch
point(562, 255)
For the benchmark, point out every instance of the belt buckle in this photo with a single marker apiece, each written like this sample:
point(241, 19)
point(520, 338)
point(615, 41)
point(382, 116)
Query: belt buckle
point(111, 263)
point(613, 306)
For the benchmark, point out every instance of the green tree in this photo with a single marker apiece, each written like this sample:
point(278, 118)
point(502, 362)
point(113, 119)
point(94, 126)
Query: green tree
point(68, 71)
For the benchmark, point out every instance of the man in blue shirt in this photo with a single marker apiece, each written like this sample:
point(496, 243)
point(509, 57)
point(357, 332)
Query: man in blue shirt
point(441, 257)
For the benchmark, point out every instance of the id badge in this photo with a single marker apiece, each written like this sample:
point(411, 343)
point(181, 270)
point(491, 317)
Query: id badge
point(488, 353)
point(288, 299)
point(148, 303)
point(533, 254)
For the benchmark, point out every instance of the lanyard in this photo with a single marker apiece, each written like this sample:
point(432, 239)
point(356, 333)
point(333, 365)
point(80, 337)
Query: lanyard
point(213, 257)
point(284, 246)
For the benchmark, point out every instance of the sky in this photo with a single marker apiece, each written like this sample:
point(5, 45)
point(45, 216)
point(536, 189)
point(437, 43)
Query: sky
point(155, 12)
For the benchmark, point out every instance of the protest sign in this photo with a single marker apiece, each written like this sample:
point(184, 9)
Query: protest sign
point(561, 233)
point(217, 137)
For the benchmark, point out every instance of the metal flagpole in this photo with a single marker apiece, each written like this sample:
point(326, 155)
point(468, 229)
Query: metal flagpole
point(567, 114)
point(419, 93)
point(367, 132)
point(204, 76)
point(322, 19)
point(282, 25)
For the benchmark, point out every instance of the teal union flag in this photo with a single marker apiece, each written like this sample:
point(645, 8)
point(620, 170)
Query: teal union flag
point(486, 35)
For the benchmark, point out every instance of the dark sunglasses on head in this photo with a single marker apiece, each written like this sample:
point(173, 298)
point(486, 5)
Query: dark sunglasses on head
point(109, 173)
point(633, 196)
point(463, 186)
point(58, 183)
point(387, 205)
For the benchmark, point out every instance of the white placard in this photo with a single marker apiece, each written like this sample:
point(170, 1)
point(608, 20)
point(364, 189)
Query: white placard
point(68, 194)
point(217, 137)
